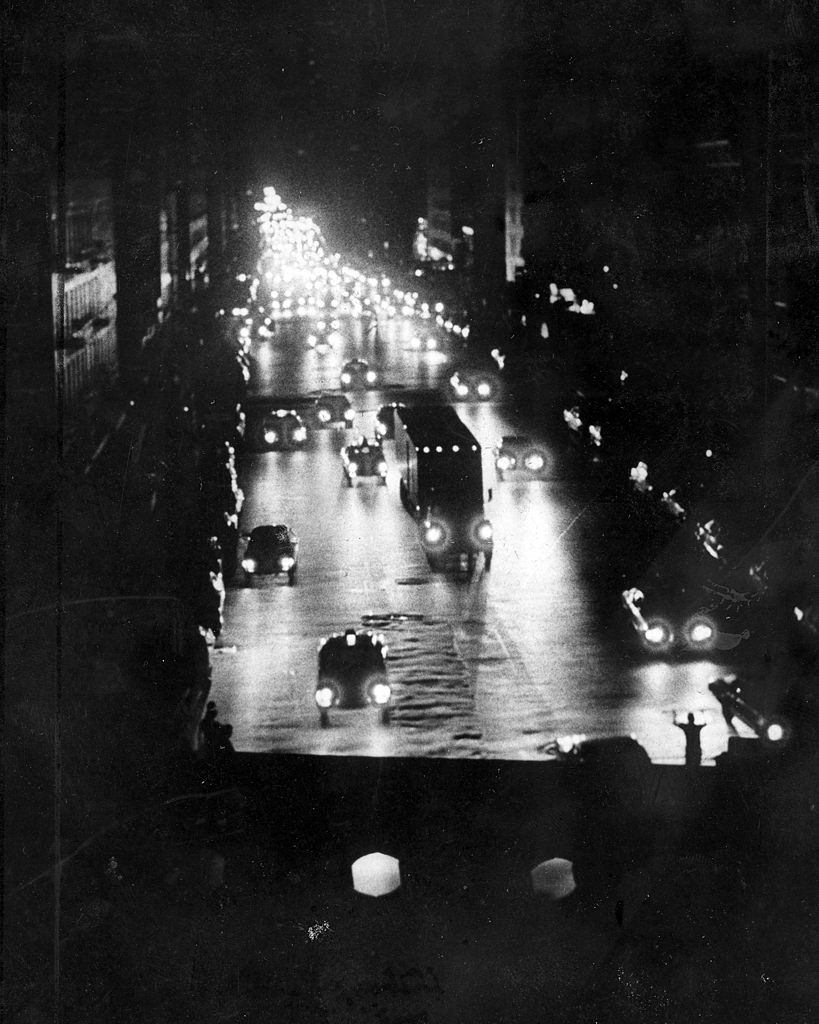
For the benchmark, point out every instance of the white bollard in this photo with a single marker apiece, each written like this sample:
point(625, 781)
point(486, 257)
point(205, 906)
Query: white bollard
point(376, 874)
point(554, 877)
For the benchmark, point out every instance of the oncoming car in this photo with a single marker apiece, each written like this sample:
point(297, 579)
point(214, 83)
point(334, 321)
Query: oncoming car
point(271, 550)
point(352, 673)
point(517, 454)
point(663, 628)
point(474, 385)
point(334, 411)
point(364, 459)
point(357, 374)
point(283, 430)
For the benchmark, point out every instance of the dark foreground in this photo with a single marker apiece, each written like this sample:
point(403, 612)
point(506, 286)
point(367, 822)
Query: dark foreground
point(695, 897)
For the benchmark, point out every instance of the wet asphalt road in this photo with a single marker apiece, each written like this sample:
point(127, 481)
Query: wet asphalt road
point(492, 666)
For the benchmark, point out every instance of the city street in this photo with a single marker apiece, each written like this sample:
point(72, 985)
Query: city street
point(492, 666)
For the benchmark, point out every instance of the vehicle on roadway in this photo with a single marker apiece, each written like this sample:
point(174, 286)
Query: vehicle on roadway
point(364, 459)
point(324, 340)
point(352, 673)
point(515, 453)
point(333, 410)
point(385, 420)
point(602, 752)
point(442, 485)
point(271, 550)
point(275, 422)
point(283, 430)
point(356, 373)
point(708, 591)
point(772, 729)
point(474, 385)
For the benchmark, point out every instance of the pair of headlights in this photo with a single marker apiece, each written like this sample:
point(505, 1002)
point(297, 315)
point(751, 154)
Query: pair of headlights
point(285, 564)
point(534, 462)
point(436, 534)
point(380, 694)
point(698, 633)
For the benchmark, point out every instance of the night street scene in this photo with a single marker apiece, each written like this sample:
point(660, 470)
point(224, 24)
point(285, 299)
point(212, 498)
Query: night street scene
point(411, 605)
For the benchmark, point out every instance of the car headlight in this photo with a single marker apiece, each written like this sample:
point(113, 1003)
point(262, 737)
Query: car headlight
point(300, 434)
point(324, 696)
point(371, 376)
point(270, 436)
point(352, 468)
point(483, 531)
point(484, 389)
point(434, 534)
point(249, 564)
point(346, 378)
point(534, 462)
point(380, 693)
point(657, 634)
point(349, 415)
point(287, 562)
point(504, 462)
point(700, 631)
point(382, 468)
point(461, 390)
point(324, 415)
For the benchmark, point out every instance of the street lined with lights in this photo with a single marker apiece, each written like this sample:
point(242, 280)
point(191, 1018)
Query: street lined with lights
point(491, 666)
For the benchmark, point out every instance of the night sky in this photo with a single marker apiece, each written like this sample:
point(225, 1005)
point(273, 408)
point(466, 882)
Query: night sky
point(341, 104)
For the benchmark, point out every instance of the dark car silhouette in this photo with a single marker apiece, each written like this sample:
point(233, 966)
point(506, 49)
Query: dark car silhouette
point(271, 550)
point(352, 673)
point(332, 410)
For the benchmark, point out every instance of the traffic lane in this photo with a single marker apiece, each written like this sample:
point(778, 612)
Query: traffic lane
point(286, 364)
point(540, 612)
point(372, 569)
point(562, 625)
point(492, 666)
point(265, 689)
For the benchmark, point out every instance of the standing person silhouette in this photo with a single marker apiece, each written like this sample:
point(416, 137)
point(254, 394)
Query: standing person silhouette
point(693, 747)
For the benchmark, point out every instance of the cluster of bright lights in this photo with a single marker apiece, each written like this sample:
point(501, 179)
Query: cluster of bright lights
point(699, 632)
point(639, 477)
point(305, 281)
point(568, 295)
